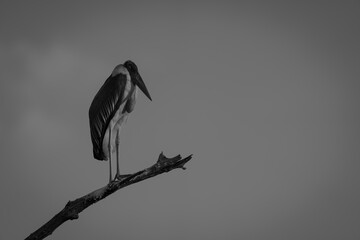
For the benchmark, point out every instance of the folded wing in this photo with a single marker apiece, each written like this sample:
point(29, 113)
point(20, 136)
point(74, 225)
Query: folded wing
point(102, 109)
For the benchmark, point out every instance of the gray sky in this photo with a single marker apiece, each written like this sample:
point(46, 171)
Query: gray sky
point(266, 97)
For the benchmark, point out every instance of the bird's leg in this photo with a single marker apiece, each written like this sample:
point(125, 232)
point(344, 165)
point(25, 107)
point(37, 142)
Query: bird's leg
point(109, 146)
point(117, 143)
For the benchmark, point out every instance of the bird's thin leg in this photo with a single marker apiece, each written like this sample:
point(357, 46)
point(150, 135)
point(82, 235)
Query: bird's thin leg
point(117, 143)
point(109, 148)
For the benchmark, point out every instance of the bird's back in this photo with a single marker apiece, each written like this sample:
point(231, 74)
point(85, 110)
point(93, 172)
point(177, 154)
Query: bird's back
point(102, 109)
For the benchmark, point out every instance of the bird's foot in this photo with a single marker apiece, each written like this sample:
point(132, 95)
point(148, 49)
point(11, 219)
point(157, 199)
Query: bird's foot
point(121, 177)
point(112, 181)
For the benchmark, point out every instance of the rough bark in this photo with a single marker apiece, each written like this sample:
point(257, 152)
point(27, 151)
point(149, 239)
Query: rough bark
point(73, 208)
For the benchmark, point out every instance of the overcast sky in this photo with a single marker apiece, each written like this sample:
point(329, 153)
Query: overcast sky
point(265, 95)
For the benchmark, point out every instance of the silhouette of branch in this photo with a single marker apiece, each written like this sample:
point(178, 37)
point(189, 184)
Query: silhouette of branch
point(73, 208)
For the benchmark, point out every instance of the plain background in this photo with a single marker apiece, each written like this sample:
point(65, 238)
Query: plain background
point(265, 94)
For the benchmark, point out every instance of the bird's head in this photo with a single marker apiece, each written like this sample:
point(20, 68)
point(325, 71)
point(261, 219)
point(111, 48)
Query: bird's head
point(136, 78)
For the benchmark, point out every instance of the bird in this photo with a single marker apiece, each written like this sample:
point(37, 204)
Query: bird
point(110, 109)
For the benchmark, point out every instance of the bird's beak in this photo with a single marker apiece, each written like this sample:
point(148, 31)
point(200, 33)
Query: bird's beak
point(140, 83)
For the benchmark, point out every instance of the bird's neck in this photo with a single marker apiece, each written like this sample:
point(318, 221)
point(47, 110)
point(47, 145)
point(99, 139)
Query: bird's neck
point(120, 69)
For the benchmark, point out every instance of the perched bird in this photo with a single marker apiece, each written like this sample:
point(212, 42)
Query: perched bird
point(110, 109)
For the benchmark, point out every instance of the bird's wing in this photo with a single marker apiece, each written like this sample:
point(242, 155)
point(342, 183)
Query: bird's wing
point(102, 109)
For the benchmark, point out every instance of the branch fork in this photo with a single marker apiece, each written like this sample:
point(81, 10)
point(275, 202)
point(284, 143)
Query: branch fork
point(73, 208)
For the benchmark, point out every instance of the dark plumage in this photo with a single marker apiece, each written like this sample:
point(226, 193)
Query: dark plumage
point(102, 110)
point(110, 109)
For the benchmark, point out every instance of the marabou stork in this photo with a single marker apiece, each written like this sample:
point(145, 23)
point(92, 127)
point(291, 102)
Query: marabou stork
point(109, 110)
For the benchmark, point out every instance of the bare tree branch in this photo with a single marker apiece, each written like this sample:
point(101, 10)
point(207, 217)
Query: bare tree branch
point(73, 208)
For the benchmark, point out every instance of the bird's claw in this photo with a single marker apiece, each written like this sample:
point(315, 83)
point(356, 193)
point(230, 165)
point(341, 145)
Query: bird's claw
point(120, 177)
